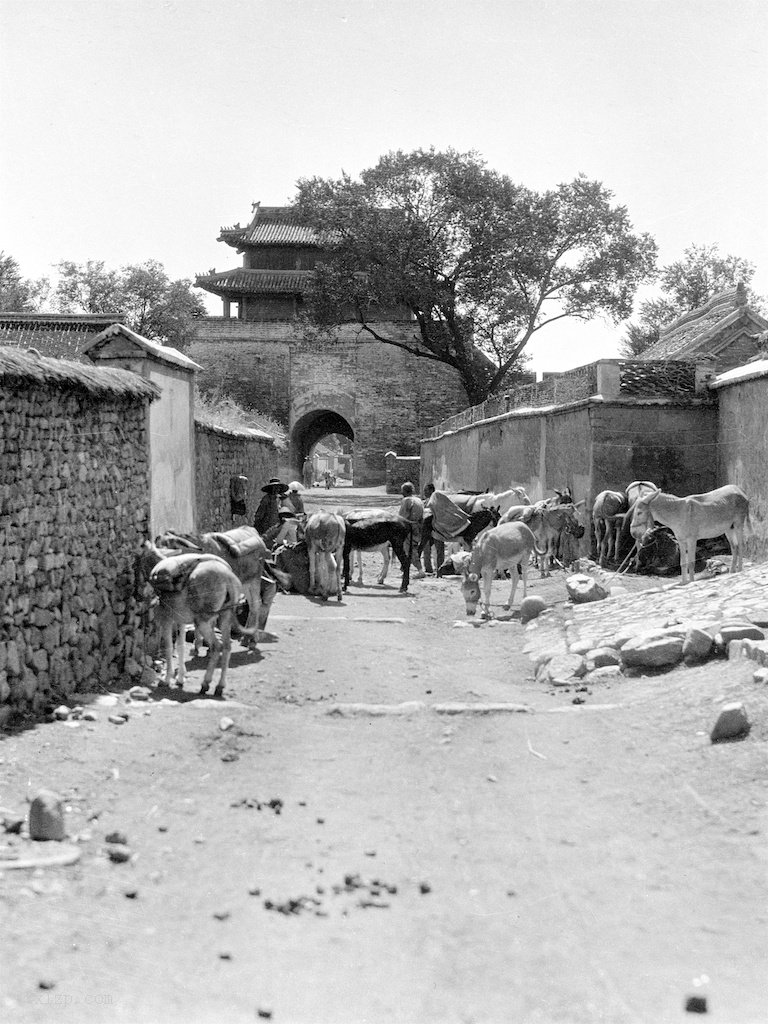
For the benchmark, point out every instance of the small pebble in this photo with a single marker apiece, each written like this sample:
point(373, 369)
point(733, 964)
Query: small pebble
point(117, 837)
point(130, 894)
point(225, 956)
point(226, 723)
point(90, 716)
point(222, 915)
point(62, 712)
point(118, 854)
point(117, 719)
point(265, 1014)
point(424, 888)
point(320, 821)
point(696, 1004)
point(255, 891)
point(46, 983)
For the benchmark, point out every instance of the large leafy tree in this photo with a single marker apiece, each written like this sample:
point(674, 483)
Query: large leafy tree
point(143, 296)
point(686, 284)
point(18, 294)
point(479, 263)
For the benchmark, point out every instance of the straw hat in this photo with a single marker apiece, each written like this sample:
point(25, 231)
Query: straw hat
point(275, 485)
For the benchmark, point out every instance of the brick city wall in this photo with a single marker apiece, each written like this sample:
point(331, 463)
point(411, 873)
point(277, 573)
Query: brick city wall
point(388, 397)
point(220, 455)
point(74, 508)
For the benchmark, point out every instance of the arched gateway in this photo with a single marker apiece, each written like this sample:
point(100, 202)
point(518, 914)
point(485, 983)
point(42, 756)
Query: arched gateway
point(348, 384)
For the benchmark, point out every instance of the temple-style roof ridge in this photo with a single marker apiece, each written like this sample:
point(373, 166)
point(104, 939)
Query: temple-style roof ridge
point(256, 282)
point(271, 225)
point(699, 328)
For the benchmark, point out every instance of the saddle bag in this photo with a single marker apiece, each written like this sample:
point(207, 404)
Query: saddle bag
point(170, 576)
point(241, 541)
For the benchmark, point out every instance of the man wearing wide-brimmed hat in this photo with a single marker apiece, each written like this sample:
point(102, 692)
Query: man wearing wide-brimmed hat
point(268, 512)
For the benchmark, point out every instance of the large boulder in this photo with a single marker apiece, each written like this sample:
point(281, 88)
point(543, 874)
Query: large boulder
point(731, 723)
point(583, 589)
point(655, 650)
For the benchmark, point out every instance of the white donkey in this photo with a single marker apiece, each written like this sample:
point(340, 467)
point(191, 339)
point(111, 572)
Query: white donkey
point(697, 517)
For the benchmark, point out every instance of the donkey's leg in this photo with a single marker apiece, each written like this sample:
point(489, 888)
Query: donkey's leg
point(181, 652)
point(167, 627)
point(214, 647)
point(225, 625)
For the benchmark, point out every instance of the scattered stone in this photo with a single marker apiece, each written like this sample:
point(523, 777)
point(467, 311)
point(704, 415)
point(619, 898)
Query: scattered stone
point(583, 589)
point(254, 891)
point(46, 983)
point(139, 693)
point(653, 651)
point(231, 755)
point(226, 723)
point(696, 1004)
point(562, 669)
point(131, 894)
point(12, 824)
point(601, 657)
point(738, 631)
point(424, 888)
point(118, 854)
point(119, 838)
point(117, 719)
point(222, 915)
point(46, 817)
point(90, 716)
point(225, 956)
point(531, 608)
point(697, 645)
point(580, 647)
point(601, 674)
point(579, 700)
point(264, 1013)
point(62, 712)
point(731, 723)
point(760, 676)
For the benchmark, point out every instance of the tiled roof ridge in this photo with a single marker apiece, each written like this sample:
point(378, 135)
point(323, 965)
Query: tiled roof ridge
point(86, 319)
point(725, 298)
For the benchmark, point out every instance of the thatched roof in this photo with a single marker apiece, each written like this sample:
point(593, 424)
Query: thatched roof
point(20, 368)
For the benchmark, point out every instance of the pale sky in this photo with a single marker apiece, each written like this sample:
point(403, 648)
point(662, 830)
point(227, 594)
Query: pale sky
point(134, 129)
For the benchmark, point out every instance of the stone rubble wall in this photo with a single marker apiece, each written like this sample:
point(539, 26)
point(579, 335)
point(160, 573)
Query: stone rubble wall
point(220, 455)
point(74, 510)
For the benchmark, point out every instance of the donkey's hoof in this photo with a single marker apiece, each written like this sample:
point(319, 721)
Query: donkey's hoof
point(218, 692)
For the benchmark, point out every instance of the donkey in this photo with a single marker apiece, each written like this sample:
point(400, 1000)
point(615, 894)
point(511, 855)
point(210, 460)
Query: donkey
point(193, 587)
point(244, 550)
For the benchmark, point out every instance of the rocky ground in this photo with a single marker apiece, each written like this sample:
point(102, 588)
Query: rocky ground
point(390, 818)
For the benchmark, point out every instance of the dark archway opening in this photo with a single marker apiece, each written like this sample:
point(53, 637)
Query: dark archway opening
point(327, 439)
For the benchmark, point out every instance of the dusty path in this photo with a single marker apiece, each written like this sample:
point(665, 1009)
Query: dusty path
point(590, 862)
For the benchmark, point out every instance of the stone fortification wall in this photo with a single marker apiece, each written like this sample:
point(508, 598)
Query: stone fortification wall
point(220, 455)
point(401, 469)
point(742, 438)
point(387, 397)
point(74, 509)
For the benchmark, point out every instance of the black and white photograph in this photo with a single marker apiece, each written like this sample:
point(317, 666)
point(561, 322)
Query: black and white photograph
point(383, 511)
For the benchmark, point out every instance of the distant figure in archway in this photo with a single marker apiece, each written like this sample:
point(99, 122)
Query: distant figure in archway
point(308, 473)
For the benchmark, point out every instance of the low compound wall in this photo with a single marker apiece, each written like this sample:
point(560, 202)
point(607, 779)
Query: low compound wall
point(743, 446)
point(589, 446)
point(219, 456)
point(74, 509)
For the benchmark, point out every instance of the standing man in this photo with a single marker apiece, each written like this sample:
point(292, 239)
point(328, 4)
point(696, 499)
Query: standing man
point(307, 473)
point(412, 510)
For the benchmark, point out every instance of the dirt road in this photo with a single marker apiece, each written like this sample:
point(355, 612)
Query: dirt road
point(575, 862)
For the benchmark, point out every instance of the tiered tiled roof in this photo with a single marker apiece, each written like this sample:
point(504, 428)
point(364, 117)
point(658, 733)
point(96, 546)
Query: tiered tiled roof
point(255, 282)
point(62, 335)
point(271, 225)
point(702, 331)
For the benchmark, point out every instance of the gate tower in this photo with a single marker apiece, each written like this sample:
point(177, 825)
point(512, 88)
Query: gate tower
point(259, 352)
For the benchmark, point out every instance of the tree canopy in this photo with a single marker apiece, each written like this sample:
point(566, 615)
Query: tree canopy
point(142, 294)
point(686, 284)
point(17, 294)
point(479, 263)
